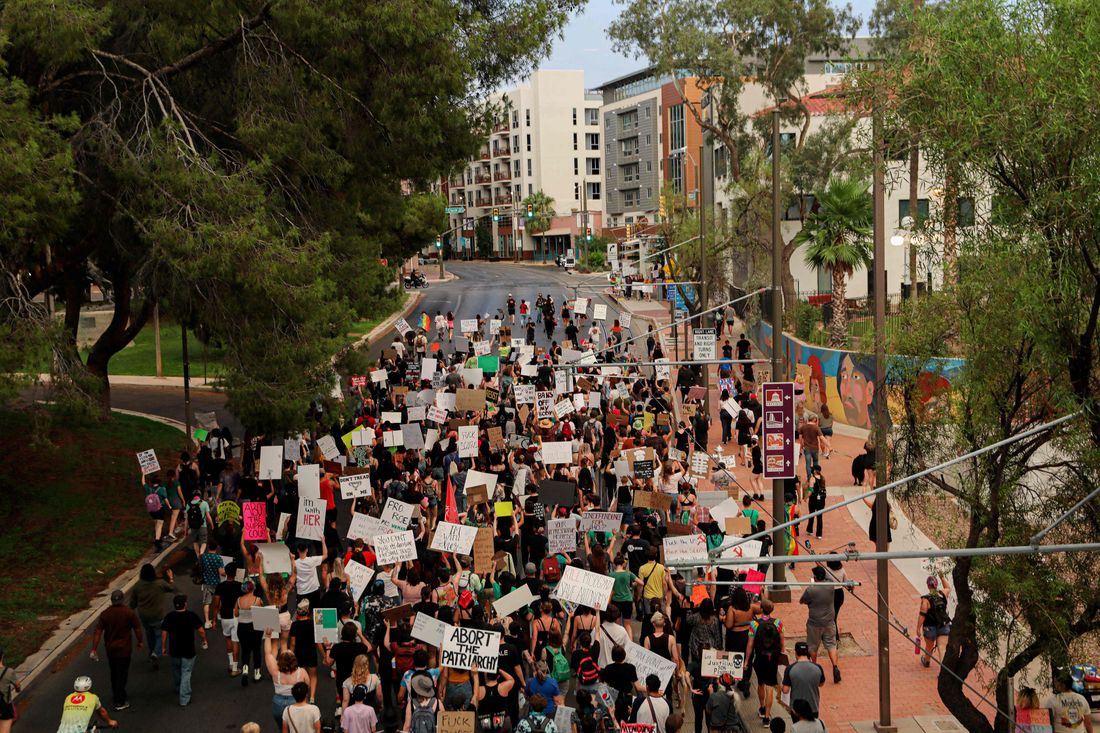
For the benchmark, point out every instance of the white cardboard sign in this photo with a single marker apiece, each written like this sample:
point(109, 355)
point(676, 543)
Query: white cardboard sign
point(394, 548)
point(585, 588)
point(457, 538)
point(311, 519)
point(463, 646)
point(147, 460)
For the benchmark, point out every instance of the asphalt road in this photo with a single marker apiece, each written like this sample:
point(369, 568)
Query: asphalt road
point(219, 702)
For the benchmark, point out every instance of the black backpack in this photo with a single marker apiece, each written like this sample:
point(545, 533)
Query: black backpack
point(194, 515)
point(766, 639)
point(937, 610)
point(538, 724)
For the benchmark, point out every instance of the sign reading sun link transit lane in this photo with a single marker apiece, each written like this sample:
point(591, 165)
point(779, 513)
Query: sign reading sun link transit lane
point(778, 432)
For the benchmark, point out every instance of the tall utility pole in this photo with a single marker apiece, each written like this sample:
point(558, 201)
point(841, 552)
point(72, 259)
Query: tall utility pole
point(584, 218)
point(882, 507)
point(914, 201)
point(186, 381)
point(780, 593)
point(700, 182)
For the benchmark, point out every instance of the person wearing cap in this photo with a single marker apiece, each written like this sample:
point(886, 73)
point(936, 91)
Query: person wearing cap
point(721, 706)
point(422, 701)
point(358, 717)
point(803, 679)
point(115, 625)
point(303, 645)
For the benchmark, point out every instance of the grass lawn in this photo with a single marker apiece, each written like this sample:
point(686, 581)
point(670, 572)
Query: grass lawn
point(140, 359)
point(72, 515)
point(362, 328)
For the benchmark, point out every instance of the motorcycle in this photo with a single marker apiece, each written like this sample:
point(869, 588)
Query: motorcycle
point(412, 282)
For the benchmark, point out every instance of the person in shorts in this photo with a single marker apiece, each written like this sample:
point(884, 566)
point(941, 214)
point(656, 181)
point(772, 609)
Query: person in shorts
point(226, 594)
point(765, 648)
point(821, 620)
point(213, 571)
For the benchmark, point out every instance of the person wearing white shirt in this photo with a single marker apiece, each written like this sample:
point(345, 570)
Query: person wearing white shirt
point(1069, 709)
point(307, 585)
point(653, 709)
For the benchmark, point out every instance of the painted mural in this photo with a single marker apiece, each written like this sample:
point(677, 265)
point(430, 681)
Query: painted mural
point(845, 380)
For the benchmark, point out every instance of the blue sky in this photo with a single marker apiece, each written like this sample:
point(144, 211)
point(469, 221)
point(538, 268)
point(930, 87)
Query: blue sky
point(586, 45)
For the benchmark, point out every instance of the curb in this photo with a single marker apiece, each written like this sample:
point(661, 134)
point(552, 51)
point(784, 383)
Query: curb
point(409, 307)
point(73, 629)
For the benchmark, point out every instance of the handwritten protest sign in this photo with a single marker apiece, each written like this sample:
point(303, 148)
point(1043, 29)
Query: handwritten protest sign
point(147, 460)
point(561, 534)
point(687, 548)
point(652, 500)
point(646, 663)
point(397, 513)
point(395, 547)
point(467, 441)
point(355, 485)
point(625, 318)
point(558, 493)
point(455, 721)
point(525, 394)
point(359, 578)
point(717, 663)
point(328, 447)
point(580, 306)
point(255, 520)
point(429, 629)
point(228, 512)
point(483, 550)
point(601, 521)
point(457, 538)
point(599, 312)
point(544, 405)
point(468, 325)
point(748, 549)
point(557, 451)
point(585, 588)
point(368, 528)
point(464, 646)
point(311, 519)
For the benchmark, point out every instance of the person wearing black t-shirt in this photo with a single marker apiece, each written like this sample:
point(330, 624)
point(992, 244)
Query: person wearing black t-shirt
point(342, 655)
point(226, 594)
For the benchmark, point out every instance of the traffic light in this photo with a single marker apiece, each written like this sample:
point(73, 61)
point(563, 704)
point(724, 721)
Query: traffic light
point(588, 234)
point(496, 215)
point(439, 244)
point(530, 211)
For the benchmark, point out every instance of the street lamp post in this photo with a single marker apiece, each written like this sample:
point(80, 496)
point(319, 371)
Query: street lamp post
point(779, 594)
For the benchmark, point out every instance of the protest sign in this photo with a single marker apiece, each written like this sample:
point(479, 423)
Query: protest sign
point(625, 318)
point(579, 402)
point(396, 613)
point(679, 528)
point(276, 557)
point(359, 578)
point(379, 376)
point(468, 325)
point(643, 469)
point(748, 549)
point(580, 306)
point(445, 401)
point(477, 493)
point(411, 436)
point(255, 520)
point(637, 727)
point(457, 538)
point(711, 499)
point(326, 625)
point(395, 547)
point(475, 477)
point(472, 376)
point(599, 312)
point(700, 464)
point(739, 526)
point(328, 447)
point(368, 528)
point(429, 629)
point(585, 588)
point(309, 480)
point(563, 408)
point(427, 368)
point(437, 414)
point(557, 451)
point(454, 721)
point(416, 414)
point(481, 348)
point(561, 382)
point(727, 509)
point(488, 364)
point(355, 486)
point(502, 509)
point(393, 417)
point(398, 513)
point(229, 511)
point(687, 548)
point(496, 439)
point(291, 452)
point(646, 663)
point(544, 405)
point(265, 618)
point(517, 599)
point(492, 395)
point(652, 500)
point(147, 460)
point(717, 663)
point(483, 550)
point(561, 534)
point(465, 646)
point(467, 441)
point(393, 438)
point(430, 437)
point(525, 394)
point(283, 529)
point(558, 493)
point(601, 521)
point(311, 519)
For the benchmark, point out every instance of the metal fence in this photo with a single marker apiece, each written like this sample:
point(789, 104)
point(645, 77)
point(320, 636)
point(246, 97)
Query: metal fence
point(815, 309)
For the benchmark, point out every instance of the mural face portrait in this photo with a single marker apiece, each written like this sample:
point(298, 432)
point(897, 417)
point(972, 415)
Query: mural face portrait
point(856, 387)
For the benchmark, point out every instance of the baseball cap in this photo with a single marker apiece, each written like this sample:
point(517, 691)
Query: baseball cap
point(359, 694)
point(802, 649)
point(117, 597)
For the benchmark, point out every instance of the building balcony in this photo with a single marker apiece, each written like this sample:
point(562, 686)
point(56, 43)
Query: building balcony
point(502, 151)
point(483, 202)
point(484, 154)
point(501, 126)
point(456, 183)
point(506, 199)
point(483, 178)
point(504, 175)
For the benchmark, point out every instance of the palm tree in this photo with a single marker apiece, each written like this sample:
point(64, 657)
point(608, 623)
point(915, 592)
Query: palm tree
point(837, 235)
point(542, 211)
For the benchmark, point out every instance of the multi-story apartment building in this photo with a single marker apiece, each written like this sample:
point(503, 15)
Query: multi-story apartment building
point(548, 139)
point(651, 139)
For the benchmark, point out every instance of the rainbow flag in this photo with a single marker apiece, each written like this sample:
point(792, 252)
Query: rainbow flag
point(425, 322)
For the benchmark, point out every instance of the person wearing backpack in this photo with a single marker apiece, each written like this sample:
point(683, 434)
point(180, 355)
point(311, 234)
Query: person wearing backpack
point(540, 719)
point(583, 662)
point(765, 648)
point(198, 522)
point(156, 503)
point(816, 502)
point(552, 567)
point(423, 706)
point(934, 620)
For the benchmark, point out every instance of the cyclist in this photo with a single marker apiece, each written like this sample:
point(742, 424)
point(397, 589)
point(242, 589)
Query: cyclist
point(81, 708)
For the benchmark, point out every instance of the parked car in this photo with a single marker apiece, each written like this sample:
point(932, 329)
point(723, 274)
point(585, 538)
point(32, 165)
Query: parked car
point(569, 262)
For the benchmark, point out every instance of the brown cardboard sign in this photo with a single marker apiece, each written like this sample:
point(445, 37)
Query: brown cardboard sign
point(652, 500)
point(470, 399)
point(398, 612)
point(389, 353)
point(454, 721)
point(477, 494)
point(677, 529)
point(690, 408)
point(739, 526)
point(496, 438)
point(483, 550)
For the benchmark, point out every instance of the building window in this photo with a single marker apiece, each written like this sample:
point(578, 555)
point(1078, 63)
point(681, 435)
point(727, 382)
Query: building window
point(574, 141)
point(528, 142)
point(799, 209)
point(515, 118)
point(676, 127)
point(515, 168)
point(574, 117)
point(721, 161)
point(786, 141)
point(529, 167)
point(649, 166)
point(965, 212)
point(518, 188)
point(593, 191)
point(676, 172)
point(576, 167)
point(843, 67)
point(576, 191)
point(527, 116)
point(629, 120)
point(631, 172)
point(629, 146)
point(649, 193)
point(593, 166)
point(515, 143)
point(530, 189)
point(647, 111)
point(591, 116)
point(632, 197)
point(922, 210)
point(592, 141)
point(648, 140)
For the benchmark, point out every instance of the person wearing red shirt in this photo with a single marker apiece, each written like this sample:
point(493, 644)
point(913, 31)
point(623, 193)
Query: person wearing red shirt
point(328, 496)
